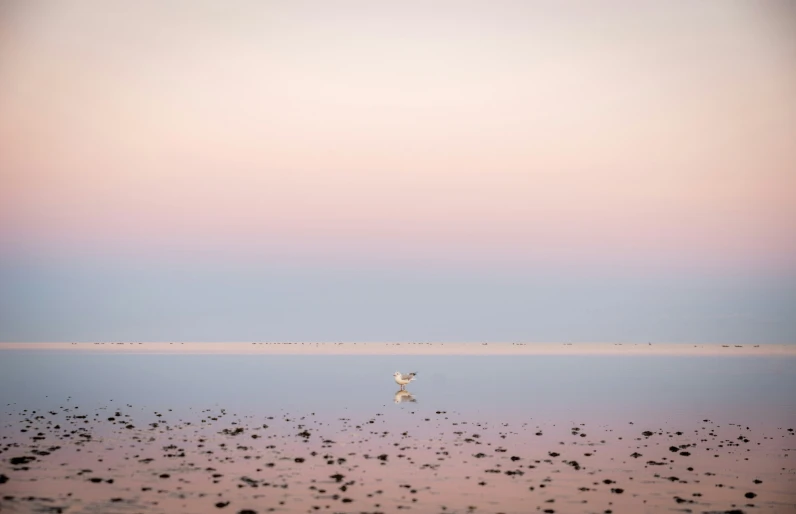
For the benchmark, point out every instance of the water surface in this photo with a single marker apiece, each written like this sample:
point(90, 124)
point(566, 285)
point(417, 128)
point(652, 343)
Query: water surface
point(484, 433)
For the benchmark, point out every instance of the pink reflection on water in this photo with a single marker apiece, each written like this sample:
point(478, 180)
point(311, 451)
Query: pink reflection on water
point(112, 459)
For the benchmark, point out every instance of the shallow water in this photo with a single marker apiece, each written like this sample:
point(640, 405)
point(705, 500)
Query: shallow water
point(567, 424)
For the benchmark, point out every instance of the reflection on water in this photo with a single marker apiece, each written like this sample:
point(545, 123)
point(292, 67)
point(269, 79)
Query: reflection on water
point(602, 388)
point(402, 395)
point(196, 433)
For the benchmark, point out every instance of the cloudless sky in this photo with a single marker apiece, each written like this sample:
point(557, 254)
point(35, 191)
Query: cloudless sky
point(356, 170)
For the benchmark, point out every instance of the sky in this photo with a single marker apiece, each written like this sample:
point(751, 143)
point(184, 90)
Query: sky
point(355, 170)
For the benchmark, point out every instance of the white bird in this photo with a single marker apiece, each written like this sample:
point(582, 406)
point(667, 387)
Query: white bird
point(402, 380)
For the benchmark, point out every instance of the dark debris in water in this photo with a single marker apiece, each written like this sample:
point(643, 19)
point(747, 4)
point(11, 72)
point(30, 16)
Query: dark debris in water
point(140, 460)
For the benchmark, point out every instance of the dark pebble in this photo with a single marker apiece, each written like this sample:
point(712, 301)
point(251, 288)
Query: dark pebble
point(21, 460)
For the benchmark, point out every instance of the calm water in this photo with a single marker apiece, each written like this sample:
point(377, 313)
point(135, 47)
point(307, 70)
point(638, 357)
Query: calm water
point(609, 387)
point(544, 410)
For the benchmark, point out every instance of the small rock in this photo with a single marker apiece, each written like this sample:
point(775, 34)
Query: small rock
point(21, 460)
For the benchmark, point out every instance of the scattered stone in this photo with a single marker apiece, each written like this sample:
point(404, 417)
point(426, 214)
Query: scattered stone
point(16, 461)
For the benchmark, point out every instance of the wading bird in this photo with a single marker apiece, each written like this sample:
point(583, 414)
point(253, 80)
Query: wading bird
point(402, 380)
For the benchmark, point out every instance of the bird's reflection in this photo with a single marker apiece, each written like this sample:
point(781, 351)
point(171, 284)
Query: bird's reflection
point(404, 396)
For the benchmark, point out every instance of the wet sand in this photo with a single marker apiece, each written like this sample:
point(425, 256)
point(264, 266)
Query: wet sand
point(412, 348)
point(128, 458)
point(87, 428)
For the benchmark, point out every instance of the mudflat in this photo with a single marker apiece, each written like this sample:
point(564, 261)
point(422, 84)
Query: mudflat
point(160, 427)
point(415, 348)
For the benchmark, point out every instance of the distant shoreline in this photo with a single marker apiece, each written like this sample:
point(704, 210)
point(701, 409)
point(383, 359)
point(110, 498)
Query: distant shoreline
point(404, 348)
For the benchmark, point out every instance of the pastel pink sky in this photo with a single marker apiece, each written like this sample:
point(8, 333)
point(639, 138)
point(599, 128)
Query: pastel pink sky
point(636, 132)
